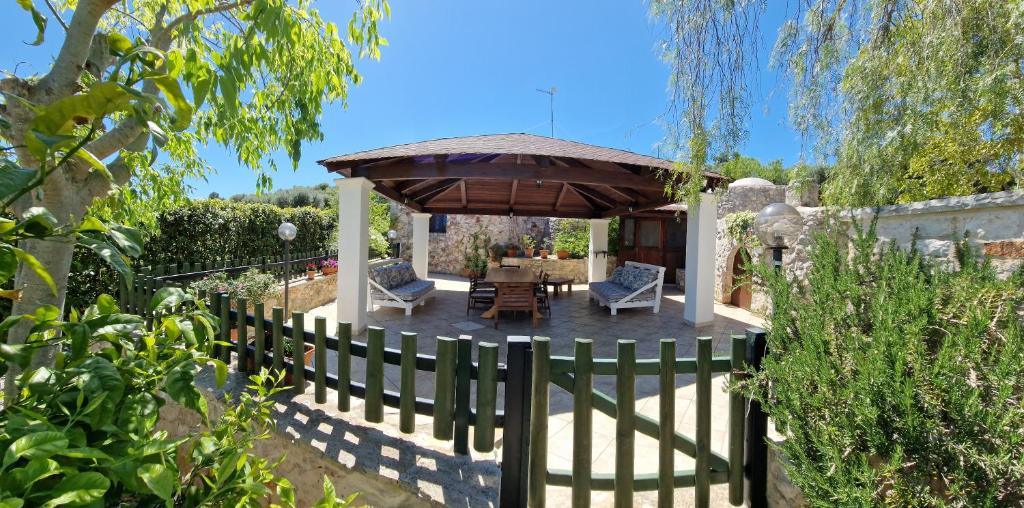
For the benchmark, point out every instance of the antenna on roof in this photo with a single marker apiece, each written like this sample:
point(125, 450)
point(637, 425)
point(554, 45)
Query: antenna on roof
point(551, 95)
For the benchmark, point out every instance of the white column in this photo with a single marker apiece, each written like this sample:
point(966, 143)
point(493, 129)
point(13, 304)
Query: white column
point(701, 225)
point(353, 250)
point(597, 258)
point(420, 244)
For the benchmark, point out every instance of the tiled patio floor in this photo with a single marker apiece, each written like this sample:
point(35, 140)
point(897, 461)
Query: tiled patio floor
point(572, 316)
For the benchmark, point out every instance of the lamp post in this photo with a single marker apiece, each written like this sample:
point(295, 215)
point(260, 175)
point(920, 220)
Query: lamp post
point(287, 231)
point(395, 246)
point(775, 225)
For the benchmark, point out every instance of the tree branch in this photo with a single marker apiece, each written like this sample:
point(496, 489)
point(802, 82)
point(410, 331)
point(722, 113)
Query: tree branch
point(73, 53)
point(115, 139)
point(192, 16)
point(56, 14)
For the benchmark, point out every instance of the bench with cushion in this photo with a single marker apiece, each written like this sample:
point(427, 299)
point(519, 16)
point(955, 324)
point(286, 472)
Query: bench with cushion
point(632, 285)
point(393, 283)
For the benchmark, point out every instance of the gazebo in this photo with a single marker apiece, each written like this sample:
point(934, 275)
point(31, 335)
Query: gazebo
point(513, 174)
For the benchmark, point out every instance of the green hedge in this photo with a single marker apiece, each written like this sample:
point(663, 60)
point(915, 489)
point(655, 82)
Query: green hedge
point(573, 235)
point(897, 382)
point(209, 230)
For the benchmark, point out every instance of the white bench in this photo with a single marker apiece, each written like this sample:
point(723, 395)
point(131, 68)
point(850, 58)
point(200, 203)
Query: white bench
point(630, 286)
point(393, 283)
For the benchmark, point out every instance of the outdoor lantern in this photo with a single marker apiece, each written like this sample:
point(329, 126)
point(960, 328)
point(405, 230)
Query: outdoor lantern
point(778, 225)
point(287, 231)
point(396, 248)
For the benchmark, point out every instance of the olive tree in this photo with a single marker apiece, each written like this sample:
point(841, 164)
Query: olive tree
point(136, 79)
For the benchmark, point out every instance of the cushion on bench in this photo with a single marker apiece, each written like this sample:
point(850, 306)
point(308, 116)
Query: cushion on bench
point(407, 292)
point(613, 292)
point(394, 275)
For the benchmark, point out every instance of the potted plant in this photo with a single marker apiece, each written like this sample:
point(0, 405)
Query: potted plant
point(528, 245)
point(475, 263)
point(289, 353)
point(496, 250)
point(329, 266)
point(511, 250)
point(544, 250)
point(310, 271)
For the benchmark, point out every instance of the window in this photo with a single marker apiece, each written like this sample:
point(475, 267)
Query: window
point(628, 239)
point(439, 223)
point(650, 234)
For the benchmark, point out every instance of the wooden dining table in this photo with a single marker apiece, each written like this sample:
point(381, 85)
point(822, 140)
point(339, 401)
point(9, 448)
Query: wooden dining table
point(503, 276)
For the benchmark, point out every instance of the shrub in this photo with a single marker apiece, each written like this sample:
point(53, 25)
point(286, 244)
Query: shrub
point(572, 235)
point(896, 381)
point(253, 285)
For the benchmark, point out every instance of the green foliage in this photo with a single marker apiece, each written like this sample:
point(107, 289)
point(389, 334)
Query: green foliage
point(476, 252)
point(613, 236)
point(736, 166)
point(740, 227)
point(253, 285)
point(572, 235)
point(212, 229)
point(381, 221)
point(319, 196)
point(896, 381)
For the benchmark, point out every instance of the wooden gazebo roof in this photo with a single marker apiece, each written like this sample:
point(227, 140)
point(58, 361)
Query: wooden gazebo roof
point(521, 174)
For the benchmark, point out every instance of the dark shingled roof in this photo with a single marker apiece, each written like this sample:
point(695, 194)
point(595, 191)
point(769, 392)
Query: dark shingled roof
point(520, 174)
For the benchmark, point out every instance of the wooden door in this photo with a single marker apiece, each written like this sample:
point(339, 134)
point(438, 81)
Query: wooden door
point(740, 281)
point(650, 237)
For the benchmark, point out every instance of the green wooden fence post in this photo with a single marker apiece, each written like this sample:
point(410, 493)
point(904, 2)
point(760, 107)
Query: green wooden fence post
point(122, 294)
point(150, 291)
point(444, 388)
point(215, 310)
point(486, 397)
point(344, 366)
point(666, 421)
point(702, 485)
point(277, 339)
point(625, 422)
point(374, 406)
point(538, 470)
point(261, 337)
point(242, 342)
point(407, 390)
point(320, 359)
point(298, 354)
point(463, 368)
point(225, 329)
point(582, 419)
point(737, 404)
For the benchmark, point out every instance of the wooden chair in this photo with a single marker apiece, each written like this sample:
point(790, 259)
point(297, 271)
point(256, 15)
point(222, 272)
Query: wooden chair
point(479, 292)
point(516, 297)
point(541, 292)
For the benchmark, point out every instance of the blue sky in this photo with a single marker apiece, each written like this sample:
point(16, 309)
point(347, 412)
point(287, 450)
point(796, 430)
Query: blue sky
point(462, 67)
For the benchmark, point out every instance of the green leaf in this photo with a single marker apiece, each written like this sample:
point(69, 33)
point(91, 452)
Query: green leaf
point(17, 354)
point(8, 262)
point(158, 478)
point(96, 164)
point(229, 92)
point(108, 253)
point(119, 44)
point(168, 298)
point(37, 221)
point(220, 370)
point(37, 18)
point(37, 267)
point(60, 117)
point(79, 489)
point(84, 453)
point(180, 385)
point(38, 445)
point(22, 478)
point(14, 178)
point(11, 502)
point(172, 92)
point(129, 240)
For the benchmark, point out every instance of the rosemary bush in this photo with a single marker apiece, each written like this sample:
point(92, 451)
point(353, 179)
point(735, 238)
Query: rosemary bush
point(897, 381)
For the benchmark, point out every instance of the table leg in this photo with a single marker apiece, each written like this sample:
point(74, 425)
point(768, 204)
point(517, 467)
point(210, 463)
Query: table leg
point(489, 313)
point(569, 285)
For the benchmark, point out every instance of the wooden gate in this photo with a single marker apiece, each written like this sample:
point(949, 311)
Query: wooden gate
point(575, 375)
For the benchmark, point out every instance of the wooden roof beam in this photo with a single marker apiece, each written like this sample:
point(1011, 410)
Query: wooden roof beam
point(561, 196)
point(512, 195)
point(396, 197)
point(435, 189)
point(506, 171)
point(609, 202)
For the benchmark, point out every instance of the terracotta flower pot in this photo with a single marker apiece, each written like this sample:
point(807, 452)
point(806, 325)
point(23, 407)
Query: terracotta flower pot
point(529, 252)
point(307, 355)
point(562, 254)
point(511, 252)
point(310, 274)
point(328, 270)
point(544, 253)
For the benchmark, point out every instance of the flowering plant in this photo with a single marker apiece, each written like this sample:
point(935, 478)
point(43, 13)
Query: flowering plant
point(329, 263)
point(311, 266)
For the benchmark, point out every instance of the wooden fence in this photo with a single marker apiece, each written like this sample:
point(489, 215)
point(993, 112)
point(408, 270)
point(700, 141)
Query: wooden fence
point(528, 375)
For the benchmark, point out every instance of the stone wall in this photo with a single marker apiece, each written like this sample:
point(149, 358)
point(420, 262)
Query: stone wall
point(993, 223)
point(781, 491)
point(447, 251)
point(303, 465)
point(576, 269)
point(303, 295)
